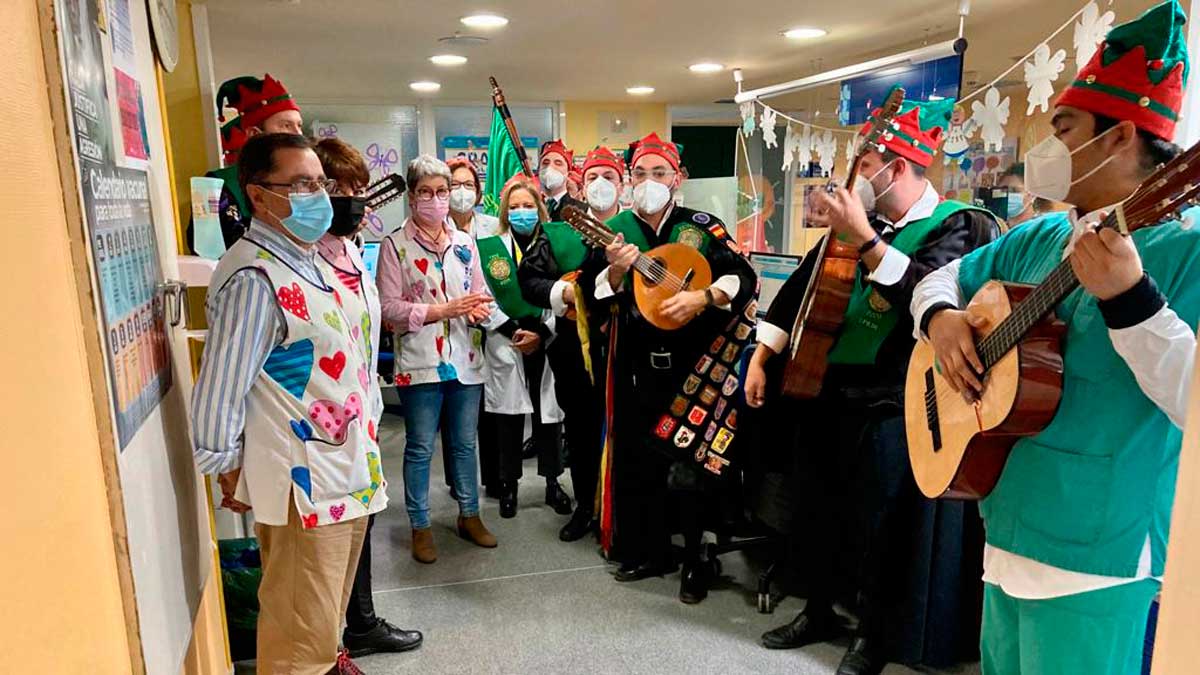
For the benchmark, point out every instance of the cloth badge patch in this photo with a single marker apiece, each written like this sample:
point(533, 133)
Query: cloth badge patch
point(697, 415)
point(679, 406)
point(716, 345)
point(690, 236)
point(878, 302)
point(720, 409)
point(665, 426)
point(691, 385)
point(292, 299)
point(714, 463)
point(291, 366)
point(463, 253)
point(333, 365)
point(721, 443)
point(730, 354)
point(751, 312)
point(711, 432)
point(731, 385)
point(731, 421)
point(709, 395)
point(743, 331)
point(684, 437)
point(718, 373)
point(702, 218)
point(309, 521)
point(365, 495)
point(701, 451)
point(705, 363)
point(332, 319)
point(499, 269)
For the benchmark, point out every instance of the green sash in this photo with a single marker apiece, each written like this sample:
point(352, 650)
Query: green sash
point(567, 246)
point(869, 317)
point(627, 224)
point(501, 274)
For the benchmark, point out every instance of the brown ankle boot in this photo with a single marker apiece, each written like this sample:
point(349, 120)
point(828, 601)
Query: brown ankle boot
point(423, 550)
point(473, 530)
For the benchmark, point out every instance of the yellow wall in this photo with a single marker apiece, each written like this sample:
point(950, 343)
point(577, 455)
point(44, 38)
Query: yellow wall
point(186, 111)
point(61, 594)
point(582, 129)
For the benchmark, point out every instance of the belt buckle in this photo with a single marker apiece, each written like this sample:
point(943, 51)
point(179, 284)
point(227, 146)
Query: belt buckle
point(660, 360)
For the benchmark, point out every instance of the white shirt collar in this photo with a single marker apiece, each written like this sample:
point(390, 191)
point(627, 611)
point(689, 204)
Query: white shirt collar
point(922, 208)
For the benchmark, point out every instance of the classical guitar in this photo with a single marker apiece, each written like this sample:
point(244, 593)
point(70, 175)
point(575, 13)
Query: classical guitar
point(828, 291)
point(661, 272)
point(384, 191)
point(958, 449)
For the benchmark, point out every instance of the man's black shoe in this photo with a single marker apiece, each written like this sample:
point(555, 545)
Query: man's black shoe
point(508, 502)
point(384, 637)
point(578, 527)
point(803, 630)
point(860, 659)
point(556, 498)
point(693, 583)
point(644, 571)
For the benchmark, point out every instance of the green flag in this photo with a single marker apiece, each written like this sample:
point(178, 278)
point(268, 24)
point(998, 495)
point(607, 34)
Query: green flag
point(504, 162)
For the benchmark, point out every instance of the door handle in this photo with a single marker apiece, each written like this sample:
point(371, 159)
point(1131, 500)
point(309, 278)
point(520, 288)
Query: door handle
point(173, 292)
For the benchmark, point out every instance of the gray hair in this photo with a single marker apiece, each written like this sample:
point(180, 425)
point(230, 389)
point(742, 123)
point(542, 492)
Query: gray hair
point(425, 166)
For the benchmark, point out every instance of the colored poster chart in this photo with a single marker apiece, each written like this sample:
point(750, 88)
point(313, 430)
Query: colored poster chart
point(125, 252)
point(976, 168)
point(475, 148)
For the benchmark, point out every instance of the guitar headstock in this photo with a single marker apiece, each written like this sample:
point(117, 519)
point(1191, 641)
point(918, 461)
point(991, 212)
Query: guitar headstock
point(881, 125)
point(384, 191)
point(1175, 186)
point(593, 231)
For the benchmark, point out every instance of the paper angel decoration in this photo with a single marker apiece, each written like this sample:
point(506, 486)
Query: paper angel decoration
point(991, 116)
point(768, 127)
point(826, 151)
point(1090, 30)
point(748, 118)
point(1040, 75)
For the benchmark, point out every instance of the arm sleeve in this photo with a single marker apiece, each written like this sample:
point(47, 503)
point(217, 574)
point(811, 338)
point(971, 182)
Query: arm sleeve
point(774, 330)
point(538, 274)
point(726, 263)
point(937, 291)
point(960, 234)
point(245, 324)
point(407, 317)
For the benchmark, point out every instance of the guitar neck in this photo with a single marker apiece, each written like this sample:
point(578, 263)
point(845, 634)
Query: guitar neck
point(601, 236)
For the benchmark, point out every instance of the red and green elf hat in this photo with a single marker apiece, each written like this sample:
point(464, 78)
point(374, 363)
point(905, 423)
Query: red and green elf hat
point(917, 131)
point(556, 146)
point(1137, 74)
point(602, 156)
point(254, 99)
point(653, 145)
point(232, 139)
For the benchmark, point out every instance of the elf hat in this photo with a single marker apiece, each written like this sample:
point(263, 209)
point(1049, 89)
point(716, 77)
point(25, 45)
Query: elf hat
point(254, 99)
point(232, 139)
point(1138, 72)
point(917, 131)
point(653, 145)
point(602, 156)
point(556, 147)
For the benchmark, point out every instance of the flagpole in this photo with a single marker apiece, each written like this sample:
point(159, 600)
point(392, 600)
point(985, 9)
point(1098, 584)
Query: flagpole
point(502, 106)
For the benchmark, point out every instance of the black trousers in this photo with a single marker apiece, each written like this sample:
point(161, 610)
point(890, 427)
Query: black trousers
point(502, 437)
point(583, 405)
point(360, 613)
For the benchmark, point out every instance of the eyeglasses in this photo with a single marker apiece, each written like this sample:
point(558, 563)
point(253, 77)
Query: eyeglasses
point(658, 174)
point(426, 194)
point(454, 185)
point(307, 186)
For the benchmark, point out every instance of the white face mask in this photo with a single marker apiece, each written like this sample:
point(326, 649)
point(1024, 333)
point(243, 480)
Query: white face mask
point(552, 179)
point(462, 199)
point(601, 194)
point(650, 197)
point(1048, 168)
point(865, 189)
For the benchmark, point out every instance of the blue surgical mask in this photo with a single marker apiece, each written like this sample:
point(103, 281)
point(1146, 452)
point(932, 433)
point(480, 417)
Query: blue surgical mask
point(312, 213)
point(523, 221)
point(1016, 204)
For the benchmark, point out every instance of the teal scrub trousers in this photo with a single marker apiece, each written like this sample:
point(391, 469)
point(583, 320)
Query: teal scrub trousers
point(1096, 633)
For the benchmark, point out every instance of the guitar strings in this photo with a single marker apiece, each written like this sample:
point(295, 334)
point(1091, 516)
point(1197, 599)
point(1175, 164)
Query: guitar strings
point(653, 269)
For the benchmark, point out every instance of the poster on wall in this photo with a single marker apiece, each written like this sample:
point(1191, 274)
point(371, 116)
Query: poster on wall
point(83, 55)
point(976, 168)
point(475, 148)
point(129, 90)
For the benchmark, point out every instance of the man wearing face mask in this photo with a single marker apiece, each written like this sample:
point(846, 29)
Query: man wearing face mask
point(650, 366)
point(1077, 525)
point(549, 279)
point(557, 163)
point(272, 366)
point(861, 404)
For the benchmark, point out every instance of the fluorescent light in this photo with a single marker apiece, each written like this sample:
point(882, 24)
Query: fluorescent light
point(935, 97)
point(424, 86)
point(706, 67)
point(804, 33)
point(448, 60)
point(894, 71)
point(484, 21)
point(640, 90)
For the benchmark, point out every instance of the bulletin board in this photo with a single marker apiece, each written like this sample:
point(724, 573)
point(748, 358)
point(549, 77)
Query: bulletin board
point(381, 146)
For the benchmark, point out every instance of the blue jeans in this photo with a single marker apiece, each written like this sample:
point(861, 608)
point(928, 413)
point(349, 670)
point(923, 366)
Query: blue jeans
point(425, 407)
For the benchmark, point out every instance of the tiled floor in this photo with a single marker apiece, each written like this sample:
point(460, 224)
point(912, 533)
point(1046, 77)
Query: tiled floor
point(537, 605)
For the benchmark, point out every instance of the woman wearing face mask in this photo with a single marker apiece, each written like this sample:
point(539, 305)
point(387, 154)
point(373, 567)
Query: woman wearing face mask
point(432, 291)
point(466, 193)
point(365, 632)
point(519, 382)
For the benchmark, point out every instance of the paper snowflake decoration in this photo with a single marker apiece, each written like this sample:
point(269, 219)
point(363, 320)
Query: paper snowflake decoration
point(1090, 30)
point(747, 118)
point(768, 127)
point(991, 116)
point(826, 150)
point(1040, 75)
point(851, 150)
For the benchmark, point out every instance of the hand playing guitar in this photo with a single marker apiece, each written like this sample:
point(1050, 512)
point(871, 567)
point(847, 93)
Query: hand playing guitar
point(952, 334)
point(685, 305)
point(1106, 263)
point(843, 213)
point(621, 257)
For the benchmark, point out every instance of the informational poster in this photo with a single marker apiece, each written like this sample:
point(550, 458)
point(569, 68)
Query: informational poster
point(129, 90)
point(84, 57)
point(475, 148)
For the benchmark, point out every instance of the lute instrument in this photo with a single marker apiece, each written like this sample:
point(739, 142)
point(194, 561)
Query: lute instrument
point(957, 448)
point(661, 272)
point(827, 294)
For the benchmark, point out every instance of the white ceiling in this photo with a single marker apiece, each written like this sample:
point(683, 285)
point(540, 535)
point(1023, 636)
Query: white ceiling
point(367, 51)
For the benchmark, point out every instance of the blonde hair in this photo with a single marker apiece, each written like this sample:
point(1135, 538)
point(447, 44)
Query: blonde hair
point(526, 185)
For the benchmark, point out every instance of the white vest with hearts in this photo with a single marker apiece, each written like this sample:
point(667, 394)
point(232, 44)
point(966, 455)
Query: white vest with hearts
point(309, 433)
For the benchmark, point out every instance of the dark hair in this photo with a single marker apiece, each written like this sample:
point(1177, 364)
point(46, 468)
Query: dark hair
point(342, 162)
point(1153, 150)
point(1017, 169)
point(917, 169)
point(257, 158)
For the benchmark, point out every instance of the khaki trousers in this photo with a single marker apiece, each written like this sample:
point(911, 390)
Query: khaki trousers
point(306, 582)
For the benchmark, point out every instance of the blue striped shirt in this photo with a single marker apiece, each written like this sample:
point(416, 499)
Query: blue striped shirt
point(244, 324)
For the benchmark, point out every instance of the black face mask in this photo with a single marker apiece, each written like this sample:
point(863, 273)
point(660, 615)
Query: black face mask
point(348, 213)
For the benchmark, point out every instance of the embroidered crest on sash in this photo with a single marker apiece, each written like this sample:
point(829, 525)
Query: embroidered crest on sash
point(499, 269)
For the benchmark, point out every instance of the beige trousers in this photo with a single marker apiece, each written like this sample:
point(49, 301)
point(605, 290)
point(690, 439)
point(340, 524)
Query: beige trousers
point(307, 576)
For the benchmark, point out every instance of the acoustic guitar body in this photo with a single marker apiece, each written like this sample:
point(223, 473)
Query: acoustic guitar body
point(681, 261)
point(812, 338)
point(958, 449)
